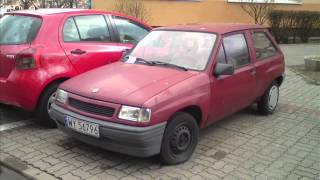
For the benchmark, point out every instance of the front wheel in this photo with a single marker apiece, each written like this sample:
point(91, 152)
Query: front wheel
point(180, 139)
point(269, 101)
point(44, 106)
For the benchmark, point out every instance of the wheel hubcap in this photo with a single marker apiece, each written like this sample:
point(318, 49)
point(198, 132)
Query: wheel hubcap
point(273, 97)
point(180, 140)
point(50, 101)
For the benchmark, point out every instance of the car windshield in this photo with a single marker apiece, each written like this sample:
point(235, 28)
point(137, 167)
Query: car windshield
point(187, 50)
point(16, 29)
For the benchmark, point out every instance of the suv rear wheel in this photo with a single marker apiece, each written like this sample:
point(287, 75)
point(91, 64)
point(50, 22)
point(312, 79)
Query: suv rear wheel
point(44, 106)
point(180, 138)
point(269, 100)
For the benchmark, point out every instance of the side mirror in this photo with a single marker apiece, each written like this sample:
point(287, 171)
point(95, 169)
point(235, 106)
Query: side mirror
point(224, 69)
point(125, 52)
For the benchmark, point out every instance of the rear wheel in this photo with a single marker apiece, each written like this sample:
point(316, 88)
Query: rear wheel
point(180, 139)
point(269, 101)
point(44, 106)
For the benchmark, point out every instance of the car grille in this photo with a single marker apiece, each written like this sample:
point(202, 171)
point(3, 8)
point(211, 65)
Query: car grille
point(91, 108)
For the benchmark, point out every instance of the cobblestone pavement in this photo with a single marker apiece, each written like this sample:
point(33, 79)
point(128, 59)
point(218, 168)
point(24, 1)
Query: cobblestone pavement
point(285, 145)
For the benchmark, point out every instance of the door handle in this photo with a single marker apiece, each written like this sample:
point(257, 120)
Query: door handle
point(78, 51)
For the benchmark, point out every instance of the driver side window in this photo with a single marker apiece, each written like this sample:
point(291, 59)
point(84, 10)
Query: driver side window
point(236, 50)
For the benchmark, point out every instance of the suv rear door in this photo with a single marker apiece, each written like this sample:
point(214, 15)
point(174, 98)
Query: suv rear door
point(16, 34)
point(89, 41)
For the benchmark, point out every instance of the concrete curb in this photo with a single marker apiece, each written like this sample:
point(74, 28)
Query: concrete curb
point(9, 166)
point(24, 169)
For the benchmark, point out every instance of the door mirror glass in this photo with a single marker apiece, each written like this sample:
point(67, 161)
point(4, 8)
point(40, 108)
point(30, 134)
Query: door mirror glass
point(224, 69)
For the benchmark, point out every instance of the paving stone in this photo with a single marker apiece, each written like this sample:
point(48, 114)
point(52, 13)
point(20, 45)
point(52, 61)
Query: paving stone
point(219, 165)
point(57, 167)
point(51, 160)
point(70, 176)
point(45, 176)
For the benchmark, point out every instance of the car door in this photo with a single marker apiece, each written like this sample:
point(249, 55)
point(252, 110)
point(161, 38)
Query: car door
point(230, 93)
point(89, 41)
point(267, 58)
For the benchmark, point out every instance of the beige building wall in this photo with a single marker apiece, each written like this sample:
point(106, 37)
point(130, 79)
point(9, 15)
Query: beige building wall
point(177, 12)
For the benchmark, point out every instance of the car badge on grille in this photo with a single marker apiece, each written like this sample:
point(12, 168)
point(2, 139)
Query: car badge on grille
point(95, 90)
point(10, 56)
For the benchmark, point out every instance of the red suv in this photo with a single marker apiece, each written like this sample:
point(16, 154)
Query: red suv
point(40, 49)
point(175, 81)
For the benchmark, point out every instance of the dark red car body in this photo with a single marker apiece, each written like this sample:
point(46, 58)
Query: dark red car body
point(166, 91)
point(56, 60)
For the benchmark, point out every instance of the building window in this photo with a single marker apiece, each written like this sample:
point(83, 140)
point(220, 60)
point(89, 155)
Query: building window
point(269, 1)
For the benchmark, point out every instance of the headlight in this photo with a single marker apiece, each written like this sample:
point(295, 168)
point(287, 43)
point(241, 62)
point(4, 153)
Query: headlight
point(62, 96)
point(134, 114)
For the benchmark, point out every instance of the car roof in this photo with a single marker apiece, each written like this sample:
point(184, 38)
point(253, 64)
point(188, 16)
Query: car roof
point(219, 28)
point(51, 11)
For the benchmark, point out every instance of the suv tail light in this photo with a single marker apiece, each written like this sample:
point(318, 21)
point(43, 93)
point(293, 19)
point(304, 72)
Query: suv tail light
point(26, 59)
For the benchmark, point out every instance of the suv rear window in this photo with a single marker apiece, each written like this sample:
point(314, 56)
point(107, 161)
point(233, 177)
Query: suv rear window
point(17, 29)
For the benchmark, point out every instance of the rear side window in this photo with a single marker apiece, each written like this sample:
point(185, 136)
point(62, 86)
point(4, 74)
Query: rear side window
point(86, 28)
point(263, 45)
point(236, 50)
point(17, 29)
point(130, 32)
point(70, 31)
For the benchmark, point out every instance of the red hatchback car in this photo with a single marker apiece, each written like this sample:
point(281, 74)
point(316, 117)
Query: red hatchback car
point(175, 81)
point(42, 48)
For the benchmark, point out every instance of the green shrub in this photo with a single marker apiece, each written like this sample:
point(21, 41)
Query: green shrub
point(286, 24)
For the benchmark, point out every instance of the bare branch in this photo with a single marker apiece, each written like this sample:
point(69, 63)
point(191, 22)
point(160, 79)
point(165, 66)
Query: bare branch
point(135, 8)
point(258, 10)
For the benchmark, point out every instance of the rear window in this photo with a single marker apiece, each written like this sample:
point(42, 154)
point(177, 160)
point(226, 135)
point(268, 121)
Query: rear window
point(17, 29)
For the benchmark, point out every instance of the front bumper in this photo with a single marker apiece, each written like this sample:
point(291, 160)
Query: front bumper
point(136, 141)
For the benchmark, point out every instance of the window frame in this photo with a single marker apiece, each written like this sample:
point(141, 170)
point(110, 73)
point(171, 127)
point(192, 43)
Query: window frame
point(221, 47)
point(115, 28)
point(271, 41)
point(248, 47)
point(261, 2)
point(112, 39)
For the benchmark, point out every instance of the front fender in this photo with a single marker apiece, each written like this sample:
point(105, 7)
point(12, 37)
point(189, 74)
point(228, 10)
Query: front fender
point(194, 91)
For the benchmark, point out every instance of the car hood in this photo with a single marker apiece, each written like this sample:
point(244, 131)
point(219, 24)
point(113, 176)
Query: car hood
point(122, 83)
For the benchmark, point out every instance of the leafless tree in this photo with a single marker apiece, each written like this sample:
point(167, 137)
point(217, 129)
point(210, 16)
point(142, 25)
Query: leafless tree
point(258, 10)
point(135, 8)
point(26, 4)
point(59, 3)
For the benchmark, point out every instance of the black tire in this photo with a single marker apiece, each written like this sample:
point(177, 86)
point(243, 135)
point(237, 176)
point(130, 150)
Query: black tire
point(267, 104)
point(42, 113)
point(180, 127)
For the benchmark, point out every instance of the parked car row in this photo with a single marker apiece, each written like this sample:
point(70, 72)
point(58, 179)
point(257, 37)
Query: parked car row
point(172, 83)
point(41, 49)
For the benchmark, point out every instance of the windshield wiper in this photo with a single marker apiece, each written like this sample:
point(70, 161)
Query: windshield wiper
point(153, 63)
point(168, 64)
point(139, 60)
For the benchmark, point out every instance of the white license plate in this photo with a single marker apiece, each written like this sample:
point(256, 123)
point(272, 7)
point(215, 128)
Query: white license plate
point(81, 126)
